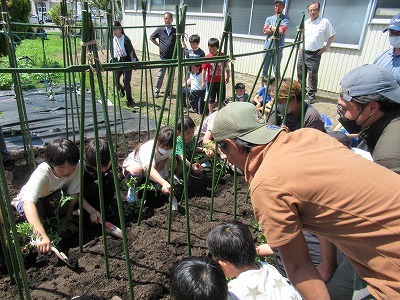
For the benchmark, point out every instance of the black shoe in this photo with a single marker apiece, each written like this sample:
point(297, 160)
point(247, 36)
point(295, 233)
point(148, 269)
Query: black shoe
point(8, 164)
point(122, 92)
point(169, 95)
point(130, 103)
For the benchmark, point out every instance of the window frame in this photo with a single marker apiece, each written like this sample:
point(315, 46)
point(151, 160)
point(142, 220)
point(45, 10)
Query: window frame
point(367, 20)
point(180, 2)
point(378, 21)
point(135, 6)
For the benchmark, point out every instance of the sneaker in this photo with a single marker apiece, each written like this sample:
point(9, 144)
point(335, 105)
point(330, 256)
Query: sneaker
point(311, 99)
point(131, 196)
point(122, 92)
point(169, 95)
point(175, 205)
point(156, 95)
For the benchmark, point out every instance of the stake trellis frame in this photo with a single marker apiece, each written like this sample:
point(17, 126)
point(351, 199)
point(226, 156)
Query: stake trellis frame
point(70, 69)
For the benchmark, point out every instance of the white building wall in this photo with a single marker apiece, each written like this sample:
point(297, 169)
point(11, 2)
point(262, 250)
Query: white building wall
point(334, 64)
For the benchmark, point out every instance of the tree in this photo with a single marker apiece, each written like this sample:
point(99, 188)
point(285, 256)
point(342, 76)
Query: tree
point(19, 11)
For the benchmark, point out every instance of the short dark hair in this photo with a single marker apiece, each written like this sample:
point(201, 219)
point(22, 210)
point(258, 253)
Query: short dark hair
point(213, 42)
point(61, 151)
point(169, 14)
point(194, 38)
point(271, 80)
point(245, 146)
point(117, 24)
point(385, 104)
point(198, 278)
point(187, 123)
point(388, 105)
point(232, 242)
point(166, 136)
point(239, 86)
point(314, 2)
point(90, 153)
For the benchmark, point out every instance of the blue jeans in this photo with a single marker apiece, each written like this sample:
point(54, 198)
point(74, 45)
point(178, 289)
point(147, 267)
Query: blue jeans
point(271, 57)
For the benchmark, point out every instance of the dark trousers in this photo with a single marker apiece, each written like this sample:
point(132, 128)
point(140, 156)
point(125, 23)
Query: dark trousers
point(196, 99)
point(126, 78)
point(215, 92)
point(3, 148)
point(312, 60)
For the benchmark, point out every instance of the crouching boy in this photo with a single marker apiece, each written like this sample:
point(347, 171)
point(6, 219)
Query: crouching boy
point(40, 197)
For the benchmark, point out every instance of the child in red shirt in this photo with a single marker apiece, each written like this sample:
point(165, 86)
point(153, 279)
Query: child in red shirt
point(213, 46)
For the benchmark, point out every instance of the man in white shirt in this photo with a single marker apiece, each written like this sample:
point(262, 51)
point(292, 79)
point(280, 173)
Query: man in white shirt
point(316, 31)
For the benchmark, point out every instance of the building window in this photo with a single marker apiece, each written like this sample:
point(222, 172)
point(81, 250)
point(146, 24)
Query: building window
point(348, 21)
point(164, 5)
point(386, 9)
point(248, 18)
point(130, 5)
point(205, 6)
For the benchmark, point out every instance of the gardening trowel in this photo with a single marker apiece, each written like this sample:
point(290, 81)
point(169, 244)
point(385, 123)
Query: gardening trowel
point(61, 255)
point(113, 230)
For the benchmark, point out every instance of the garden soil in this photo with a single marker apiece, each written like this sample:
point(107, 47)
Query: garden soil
point(151, 257)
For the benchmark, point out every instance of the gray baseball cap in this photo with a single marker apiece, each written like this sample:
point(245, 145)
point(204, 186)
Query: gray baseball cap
point(394, 23)
point(243, 120)
point(370, 80)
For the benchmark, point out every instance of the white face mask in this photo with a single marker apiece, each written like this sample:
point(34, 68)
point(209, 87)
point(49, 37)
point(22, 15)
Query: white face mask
point(164, 152)
point(394, 41)
point(281, 108)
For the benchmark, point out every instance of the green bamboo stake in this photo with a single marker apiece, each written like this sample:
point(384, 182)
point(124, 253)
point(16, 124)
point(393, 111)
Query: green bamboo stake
point(303, 68)
point(17, 260)
point(99, 175)
point(98, 70)
point(64, 33)
point(227, 29)
point(30, 159)
point(234, 99)
point(180, 25)
point(85, 39)
point(180, 96)
point(110, 46)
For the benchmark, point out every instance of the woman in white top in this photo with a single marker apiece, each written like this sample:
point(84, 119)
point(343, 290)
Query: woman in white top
point(123, 52)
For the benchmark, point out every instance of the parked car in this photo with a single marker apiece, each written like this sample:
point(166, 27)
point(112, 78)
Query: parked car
point(46, 18)
point(78, 18)
point(34, 19)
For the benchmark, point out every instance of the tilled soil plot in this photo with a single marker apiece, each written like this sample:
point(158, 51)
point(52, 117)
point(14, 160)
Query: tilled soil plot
point(151, 257)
